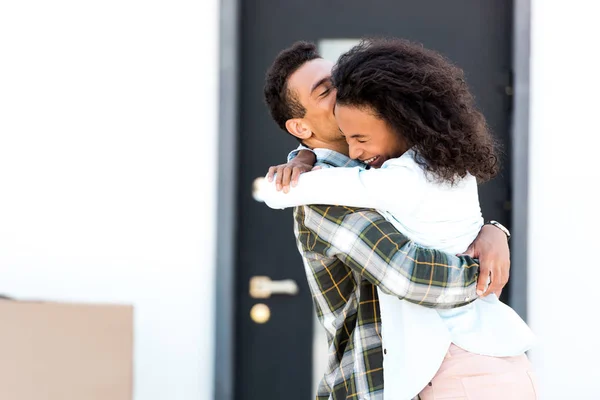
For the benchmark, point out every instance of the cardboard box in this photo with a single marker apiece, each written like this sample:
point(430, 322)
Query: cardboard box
point(60, 351)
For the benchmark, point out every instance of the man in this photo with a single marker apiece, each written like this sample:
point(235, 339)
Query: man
point(348, 251)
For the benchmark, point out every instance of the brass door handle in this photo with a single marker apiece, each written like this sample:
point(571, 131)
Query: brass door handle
point(262, 287)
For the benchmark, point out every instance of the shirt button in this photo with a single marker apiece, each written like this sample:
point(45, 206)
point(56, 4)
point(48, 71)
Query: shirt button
point(384, 351)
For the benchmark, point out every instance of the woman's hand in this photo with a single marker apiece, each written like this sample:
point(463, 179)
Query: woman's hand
point(288, 174)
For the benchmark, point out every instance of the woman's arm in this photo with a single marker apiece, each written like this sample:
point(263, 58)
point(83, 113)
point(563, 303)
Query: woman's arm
point(394, 188)
point(300, 161)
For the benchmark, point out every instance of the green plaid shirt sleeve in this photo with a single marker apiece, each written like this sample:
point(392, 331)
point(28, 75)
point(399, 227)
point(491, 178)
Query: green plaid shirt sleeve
point(346, 253)
point(370, 245)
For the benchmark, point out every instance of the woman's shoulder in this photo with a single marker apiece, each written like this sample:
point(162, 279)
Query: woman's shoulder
point(407, 160)
point(413, 163)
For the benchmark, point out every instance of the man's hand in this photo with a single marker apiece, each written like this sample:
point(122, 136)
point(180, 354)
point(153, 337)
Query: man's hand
point(491, 248)
point(289, 173)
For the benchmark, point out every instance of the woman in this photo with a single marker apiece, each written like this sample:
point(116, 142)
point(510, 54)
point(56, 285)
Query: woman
point(406, 113)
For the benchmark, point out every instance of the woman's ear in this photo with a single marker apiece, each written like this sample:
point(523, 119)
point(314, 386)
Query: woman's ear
point(298, 128)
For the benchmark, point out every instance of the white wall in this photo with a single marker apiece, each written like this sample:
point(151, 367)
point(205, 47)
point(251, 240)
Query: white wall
point(108, 130)
point(564, 218)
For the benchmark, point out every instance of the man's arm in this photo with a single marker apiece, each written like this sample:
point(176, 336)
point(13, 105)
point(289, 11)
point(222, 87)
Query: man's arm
point(370, 245)
point(491, 249)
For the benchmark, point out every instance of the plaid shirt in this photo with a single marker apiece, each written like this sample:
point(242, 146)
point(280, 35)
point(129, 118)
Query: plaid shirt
point(346, 252)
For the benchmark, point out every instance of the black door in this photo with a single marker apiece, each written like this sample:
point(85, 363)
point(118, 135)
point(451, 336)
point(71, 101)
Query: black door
point(274, 359)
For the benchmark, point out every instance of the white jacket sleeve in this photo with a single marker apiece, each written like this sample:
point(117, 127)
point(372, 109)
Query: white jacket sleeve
point(396, 188)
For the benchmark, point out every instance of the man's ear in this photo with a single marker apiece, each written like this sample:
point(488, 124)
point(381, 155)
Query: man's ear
point(298, 128)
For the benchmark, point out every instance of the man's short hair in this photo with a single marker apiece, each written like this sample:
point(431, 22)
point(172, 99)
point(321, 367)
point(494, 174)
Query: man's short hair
point(282, 102)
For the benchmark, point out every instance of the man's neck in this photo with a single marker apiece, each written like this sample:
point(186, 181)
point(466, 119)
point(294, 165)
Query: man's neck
point(339, 146)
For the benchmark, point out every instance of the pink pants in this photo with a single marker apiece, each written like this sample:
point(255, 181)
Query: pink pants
point(468, 376)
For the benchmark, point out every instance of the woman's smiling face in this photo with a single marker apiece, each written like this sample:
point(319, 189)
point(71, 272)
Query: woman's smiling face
point(371, 139)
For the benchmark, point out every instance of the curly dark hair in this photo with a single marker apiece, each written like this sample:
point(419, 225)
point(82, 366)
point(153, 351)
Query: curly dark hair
point(424, 98)
point(282, 102)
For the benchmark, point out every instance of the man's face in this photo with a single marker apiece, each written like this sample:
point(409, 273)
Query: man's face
point(311, 84)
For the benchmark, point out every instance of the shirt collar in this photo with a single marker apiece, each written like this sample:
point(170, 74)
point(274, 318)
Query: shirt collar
point(335, 159)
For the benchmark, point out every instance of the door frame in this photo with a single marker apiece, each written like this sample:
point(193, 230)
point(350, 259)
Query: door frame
point(520, 155)
point(224, 322)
